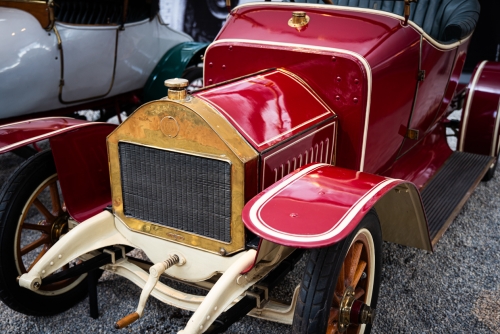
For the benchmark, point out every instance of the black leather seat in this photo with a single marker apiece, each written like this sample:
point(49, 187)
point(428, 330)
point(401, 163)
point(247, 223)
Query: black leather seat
point(444, 20)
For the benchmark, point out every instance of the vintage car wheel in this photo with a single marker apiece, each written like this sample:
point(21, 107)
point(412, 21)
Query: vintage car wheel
point(195, 77)
point(30, 191)
point(340, 282)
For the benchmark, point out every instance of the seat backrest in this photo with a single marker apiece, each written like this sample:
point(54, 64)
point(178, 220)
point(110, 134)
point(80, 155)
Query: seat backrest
point(444, 20)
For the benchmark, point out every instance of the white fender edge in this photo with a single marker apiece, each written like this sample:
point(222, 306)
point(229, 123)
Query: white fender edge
point(96, 232)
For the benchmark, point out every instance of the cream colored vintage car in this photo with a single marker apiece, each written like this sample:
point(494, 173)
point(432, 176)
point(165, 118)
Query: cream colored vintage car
point(58, 56)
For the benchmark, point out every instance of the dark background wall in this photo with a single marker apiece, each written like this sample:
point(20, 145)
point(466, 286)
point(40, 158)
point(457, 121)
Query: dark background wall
point(485, 43)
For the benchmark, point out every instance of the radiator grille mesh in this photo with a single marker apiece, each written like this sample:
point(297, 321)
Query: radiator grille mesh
point(182, 191)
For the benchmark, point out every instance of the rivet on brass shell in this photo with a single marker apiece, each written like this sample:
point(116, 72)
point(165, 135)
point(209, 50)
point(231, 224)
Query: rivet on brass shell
point(299, 19)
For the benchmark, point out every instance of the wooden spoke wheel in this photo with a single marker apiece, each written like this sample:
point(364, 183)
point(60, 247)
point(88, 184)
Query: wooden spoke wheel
point(354, 283)
point(35, 237)
point(340, 286)
point(32, 219)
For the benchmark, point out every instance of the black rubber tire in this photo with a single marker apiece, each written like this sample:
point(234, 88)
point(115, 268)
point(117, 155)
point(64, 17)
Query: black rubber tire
point(490, 173)
point(13, 196)
point(320, 278)
point(194, 75)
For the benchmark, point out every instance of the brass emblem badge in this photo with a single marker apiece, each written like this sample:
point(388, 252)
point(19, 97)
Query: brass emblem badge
point(169, 127)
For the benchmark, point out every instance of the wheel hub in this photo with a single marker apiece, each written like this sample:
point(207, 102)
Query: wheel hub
point(353, 311)
point(58, 228)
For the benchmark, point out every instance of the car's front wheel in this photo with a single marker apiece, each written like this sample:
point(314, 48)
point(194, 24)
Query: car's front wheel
point(339, 289)
point(32, 219)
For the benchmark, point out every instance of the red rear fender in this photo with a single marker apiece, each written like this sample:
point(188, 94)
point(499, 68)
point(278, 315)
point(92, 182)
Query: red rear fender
point(319, 205)
point(480, 124)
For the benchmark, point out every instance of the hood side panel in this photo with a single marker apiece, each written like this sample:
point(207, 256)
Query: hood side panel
point(268, 108)
point(339, 78)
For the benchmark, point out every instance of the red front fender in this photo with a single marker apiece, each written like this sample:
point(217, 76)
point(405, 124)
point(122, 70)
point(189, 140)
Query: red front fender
point(80, 155)
point(18, 134)
point(319, 205)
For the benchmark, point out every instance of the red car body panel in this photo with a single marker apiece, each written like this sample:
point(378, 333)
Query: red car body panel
point(80, 155)
point(424, 160)
point(364, 64)
point(315, 206)
point(317, 145)
point(480, 121)
point(276, 106)
point(438, 65)
point(338, 92)
point(343, 90)
point(81, 160)
point(454, 86)
point(15, 135)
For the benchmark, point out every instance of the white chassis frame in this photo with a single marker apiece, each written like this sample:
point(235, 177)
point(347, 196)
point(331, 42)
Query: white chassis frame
point(104, 230)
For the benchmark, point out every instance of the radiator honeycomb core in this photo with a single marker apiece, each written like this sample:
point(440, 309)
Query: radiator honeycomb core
point(181, 191)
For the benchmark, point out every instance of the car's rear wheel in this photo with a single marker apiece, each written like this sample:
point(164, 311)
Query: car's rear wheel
point(339, 289)
point(32, 219)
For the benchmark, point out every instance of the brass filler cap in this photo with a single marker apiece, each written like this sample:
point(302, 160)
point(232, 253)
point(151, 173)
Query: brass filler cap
point(177, 88)
point(299, 19)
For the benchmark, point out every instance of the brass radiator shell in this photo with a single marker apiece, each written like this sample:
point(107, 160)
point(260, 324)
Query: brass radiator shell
point(192, 128)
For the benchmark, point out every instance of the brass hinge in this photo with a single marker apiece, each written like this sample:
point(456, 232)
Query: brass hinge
point(421, 75)
point(412, 134)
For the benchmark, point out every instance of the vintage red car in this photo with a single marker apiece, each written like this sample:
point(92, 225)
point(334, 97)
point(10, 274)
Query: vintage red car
point(320, 127)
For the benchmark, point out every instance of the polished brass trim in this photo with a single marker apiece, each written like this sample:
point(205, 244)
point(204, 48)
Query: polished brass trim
point(196, 154)
point(165, 128)
point(412, 134)
point(202, 132)
point(177, 83)
point(177, 95)
point(407, 11)
point(61, 81)
point(52, 19)
point(177, 89)
point(298, 20)
point(345, 309)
